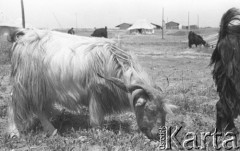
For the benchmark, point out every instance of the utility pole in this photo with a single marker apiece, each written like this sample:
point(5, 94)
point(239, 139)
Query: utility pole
point(163, 24)
point(76, 22)
point(23, 15)
point(198, 21)
point(188, 23)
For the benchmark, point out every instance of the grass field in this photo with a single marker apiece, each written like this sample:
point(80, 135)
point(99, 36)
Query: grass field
point(183, 74)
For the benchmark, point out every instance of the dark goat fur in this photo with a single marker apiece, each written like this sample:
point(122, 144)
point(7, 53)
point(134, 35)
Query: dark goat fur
point(226, 72)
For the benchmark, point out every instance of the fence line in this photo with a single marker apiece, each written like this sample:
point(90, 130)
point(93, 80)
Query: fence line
point(210, 39)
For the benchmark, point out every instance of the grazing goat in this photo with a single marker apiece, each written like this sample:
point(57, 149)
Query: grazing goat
point(50, 68)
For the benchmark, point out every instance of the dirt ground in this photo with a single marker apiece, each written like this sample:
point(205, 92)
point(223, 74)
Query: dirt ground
point(183, 74)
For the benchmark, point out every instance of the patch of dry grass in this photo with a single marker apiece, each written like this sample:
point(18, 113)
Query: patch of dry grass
point(5, 46)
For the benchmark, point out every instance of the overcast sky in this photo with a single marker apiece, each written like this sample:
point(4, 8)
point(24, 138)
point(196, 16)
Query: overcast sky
point(100, 13)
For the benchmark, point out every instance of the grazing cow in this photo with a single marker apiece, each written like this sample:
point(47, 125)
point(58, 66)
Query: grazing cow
point(100, 32)
point(226, 61)
point(194, 39)
point(71, 31)
point(50, 68)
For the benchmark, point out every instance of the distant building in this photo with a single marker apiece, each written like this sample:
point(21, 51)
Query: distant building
point(172, 25)
point(191, 27)
point(124, 26)
point(156, 26)
point(194, 27)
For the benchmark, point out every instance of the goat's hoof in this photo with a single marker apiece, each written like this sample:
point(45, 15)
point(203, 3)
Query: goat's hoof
point(54, 133)
point(51, 134)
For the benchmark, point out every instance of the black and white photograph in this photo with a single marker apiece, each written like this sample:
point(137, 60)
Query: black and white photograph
point(119, 75)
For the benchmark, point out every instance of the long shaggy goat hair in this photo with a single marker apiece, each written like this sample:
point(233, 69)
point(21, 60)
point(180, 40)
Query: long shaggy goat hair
point(51, 68)
point(226, 72)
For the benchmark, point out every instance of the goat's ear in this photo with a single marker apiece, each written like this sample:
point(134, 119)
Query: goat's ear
point(168, 107)
point(159, 88)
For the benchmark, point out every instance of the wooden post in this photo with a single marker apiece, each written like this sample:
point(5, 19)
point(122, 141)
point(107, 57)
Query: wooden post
point(163, 23)
point(23, 15)
point(198, 21)
point(76, 23)
point(188, 23)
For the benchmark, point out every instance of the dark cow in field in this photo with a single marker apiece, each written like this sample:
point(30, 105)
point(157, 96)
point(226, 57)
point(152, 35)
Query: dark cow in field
point(100, 32)
point(226, 62)
point(194, 39)
point(71, 31)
